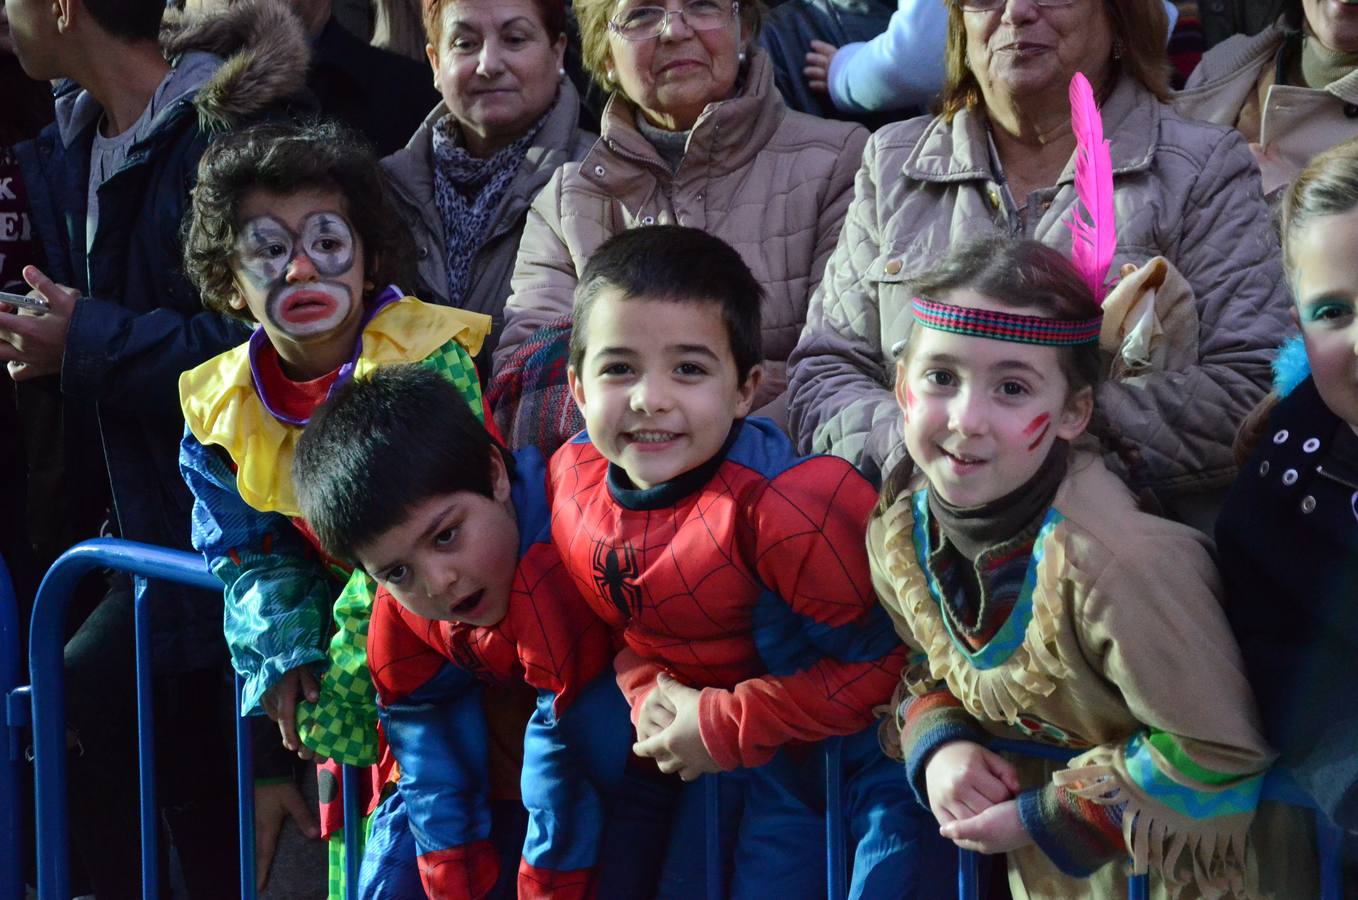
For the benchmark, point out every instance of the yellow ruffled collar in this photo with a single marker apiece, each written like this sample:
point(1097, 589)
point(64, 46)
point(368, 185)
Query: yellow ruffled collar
point(222, 406)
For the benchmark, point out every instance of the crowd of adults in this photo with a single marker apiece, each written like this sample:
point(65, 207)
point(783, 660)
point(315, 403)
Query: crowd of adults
point(703, 111)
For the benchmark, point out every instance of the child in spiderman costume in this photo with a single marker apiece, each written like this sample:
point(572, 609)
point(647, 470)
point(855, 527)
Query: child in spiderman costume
point(471, 591)
point(290, 229)
point(733, 571)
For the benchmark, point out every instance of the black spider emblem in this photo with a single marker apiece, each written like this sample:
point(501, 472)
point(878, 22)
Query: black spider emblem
point(614, 567)
point(465, 656)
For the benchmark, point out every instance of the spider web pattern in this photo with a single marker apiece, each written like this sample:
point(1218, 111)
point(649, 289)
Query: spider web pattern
point(704, 563)
point(548, 638)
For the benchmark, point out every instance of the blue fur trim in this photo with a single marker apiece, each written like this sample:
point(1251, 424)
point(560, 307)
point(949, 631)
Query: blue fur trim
point(1290, 366)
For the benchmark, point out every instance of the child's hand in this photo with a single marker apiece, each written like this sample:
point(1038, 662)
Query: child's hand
point(655, 715)
point(679, 747)
point(280, 704)
point(997, 830)
point(273, 804)
point(817, 69)
point(965, 779)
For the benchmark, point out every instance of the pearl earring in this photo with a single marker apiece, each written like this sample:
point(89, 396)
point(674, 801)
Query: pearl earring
point(561, 72)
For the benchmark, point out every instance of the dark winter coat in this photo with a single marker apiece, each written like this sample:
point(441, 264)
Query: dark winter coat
point(1287, 542)
point(140, 323)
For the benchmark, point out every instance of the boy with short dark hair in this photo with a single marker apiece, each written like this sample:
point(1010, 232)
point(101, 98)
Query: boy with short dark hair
point(735, 572)
point(456, 533)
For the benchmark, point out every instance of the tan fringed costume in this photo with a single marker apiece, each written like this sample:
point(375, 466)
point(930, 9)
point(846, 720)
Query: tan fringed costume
point(1116, 648)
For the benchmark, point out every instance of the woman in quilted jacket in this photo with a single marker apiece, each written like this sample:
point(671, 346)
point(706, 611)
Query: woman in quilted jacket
point(694, 134)
point(1000, 159)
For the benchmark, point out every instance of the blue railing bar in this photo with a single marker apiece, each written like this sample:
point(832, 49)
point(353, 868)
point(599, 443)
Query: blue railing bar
point(353, 821)
point(1138, 887)
point(1330, 847)
point(16, 716)
point(968, 874)
point(49, 695)
point(835, 839)
point(716, 889)
point(245, 797)
point(146, 743)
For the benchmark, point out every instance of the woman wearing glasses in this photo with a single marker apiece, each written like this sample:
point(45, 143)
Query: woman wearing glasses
point(694, 134)
point(999, 158)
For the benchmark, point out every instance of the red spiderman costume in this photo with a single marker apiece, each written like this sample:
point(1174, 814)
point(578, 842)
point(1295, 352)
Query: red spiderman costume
point(429, 676)
point(748, 578)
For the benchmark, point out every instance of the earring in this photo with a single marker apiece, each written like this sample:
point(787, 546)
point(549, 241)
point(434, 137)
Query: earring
point(740, 57)
point(61, 25)
point(561, 72)
point(1117, 48)
point(610, 76)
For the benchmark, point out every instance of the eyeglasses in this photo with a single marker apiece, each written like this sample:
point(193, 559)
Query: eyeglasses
point(988, 5)
point(641, 23)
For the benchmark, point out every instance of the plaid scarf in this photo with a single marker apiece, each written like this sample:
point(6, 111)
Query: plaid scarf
point(467, 191)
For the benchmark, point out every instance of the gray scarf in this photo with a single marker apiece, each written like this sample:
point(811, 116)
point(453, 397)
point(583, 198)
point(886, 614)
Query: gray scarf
point(468, 191)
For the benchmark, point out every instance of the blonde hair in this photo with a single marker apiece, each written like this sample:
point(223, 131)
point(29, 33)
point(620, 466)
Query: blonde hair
point(1328, 186)
point(592, 18)
point(1140, 28)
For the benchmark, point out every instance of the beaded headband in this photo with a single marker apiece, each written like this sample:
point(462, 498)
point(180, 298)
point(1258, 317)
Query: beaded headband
point(1001, 326)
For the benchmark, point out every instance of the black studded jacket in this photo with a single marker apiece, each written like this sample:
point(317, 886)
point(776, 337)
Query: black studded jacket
point(1287, 542)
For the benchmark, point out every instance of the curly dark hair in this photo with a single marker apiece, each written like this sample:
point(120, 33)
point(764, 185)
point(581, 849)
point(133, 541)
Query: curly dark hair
point(286, 158)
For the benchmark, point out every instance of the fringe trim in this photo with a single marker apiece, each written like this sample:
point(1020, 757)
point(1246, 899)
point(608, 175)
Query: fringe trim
point(998, 694)
point(1215, 855)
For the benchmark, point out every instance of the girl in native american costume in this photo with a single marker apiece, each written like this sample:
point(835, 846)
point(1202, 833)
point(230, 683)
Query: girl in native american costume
point(1044, 605)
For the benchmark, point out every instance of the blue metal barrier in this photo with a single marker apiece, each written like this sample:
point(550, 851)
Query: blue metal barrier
point(48, 706)
point(46, 643)
point(15, 713)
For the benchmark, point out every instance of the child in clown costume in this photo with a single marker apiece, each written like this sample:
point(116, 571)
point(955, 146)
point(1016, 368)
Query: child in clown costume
point(290, 229)
point(1043, 605)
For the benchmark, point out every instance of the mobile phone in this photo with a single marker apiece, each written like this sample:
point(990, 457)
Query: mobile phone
point(35, 304)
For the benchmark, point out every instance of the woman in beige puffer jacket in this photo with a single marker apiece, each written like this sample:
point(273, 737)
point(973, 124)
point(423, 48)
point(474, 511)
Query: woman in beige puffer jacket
point(1291, 91)
point(773, 183)
point(1184, 190)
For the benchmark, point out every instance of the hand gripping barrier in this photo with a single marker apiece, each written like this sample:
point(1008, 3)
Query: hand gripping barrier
point(142, 561)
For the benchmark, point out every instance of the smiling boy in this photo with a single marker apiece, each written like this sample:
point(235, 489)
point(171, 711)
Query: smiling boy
point(733, 571)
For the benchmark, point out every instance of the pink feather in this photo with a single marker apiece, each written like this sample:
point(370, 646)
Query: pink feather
point(1093, 242)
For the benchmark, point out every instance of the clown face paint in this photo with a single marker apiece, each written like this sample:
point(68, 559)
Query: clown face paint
point(298, 267)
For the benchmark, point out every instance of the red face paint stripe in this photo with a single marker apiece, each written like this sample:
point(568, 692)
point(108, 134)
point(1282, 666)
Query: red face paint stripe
point(1037, 423)
point(1037, 442)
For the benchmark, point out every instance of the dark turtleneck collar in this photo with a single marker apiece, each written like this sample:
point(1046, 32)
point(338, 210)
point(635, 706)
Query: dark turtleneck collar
point(974, 529)
point(669, 493)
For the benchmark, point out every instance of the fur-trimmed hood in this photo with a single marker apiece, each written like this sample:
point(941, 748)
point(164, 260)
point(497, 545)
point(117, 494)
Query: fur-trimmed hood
point(264, 53)
point(236, 61)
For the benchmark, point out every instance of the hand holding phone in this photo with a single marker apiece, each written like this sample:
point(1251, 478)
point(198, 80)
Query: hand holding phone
point(36, 305)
